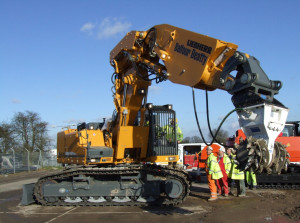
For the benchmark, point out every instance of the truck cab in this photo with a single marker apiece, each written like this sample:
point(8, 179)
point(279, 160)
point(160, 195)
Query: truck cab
point(290, 129)
point(291, 138)
point(187, 153)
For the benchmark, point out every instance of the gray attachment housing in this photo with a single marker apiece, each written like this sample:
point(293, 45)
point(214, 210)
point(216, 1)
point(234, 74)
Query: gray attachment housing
point(250, 81)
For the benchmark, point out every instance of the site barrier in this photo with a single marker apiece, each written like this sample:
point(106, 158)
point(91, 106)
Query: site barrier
point(14, 161)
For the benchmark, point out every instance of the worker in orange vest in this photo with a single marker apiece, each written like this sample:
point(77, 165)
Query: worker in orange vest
point(213, 172)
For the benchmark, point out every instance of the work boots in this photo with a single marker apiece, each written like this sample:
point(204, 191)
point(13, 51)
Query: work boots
point(212, 199)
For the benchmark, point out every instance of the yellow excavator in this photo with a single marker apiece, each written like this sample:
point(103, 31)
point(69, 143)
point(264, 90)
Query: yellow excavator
point(114, 162)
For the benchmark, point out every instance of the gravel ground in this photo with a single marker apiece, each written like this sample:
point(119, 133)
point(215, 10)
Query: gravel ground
point(258, 206)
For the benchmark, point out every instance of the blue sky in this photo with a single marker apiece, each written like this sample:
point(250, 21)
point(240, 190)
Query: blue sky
point(54, 55)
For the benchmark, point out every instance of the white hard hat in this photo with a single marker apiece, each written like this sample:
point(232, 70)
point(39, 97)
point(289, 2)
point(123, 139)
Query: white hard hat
point(209, 148)
point(222, 149)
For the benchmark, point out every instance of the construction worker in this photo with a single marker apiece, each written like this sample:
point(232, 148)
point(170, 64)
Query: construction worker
point(229, 180)
point(169, 131)
point(239, 177)
point(251, 179)
point(225, 166)
point(213, 172)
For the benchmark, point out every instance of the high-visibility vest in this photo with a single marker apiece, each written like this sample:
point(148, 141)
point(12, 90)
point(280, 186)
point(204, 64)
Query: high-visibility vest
point(227, 163)
point(169, 131)
point(213, 168)
point(179, 133)
point(236, 174)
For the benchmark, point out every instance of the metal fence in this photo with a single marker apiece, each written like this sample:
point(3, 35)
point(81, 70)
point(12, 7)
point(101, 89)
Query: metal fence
point(16, 161)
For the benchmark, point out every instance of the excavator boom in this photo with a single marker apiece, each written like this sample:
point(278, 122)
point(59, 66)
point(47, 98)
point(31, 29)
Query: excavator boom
point(187, 58)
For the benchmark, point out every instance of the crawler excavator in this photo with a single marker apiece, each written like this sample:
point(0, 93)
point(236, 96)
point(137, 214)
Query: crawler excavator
point(114, 162)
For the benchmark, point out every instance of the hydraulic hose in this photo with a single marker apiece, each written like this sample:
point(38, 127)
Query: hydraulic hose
point(208, 122)
point(220, 125)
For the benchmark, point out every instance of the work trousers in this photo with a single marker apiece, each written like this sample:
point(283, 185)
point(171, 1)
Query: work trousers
point(222, 185)
point(212, 186)
point(230, 184)
point(251, 178)
point(241, 189)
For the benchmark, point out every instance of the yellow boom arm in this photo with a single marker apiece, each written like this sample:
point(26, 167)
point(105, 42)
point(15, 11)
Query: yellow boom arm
point(189, 58)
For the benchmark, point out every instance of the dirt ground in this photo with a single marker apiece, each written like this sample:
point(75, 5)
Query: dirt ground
point(258, 206)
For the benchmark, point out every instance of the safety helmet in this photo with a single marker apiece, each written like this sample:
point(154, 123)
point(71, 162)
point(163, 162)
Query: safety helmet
point(222, 149)
point(209, 148)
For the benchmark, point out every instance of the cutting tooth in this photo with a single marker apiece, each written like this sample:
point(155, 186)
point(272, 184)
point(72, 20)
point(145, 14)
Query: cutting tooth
point(256, 164)
point(251, 151)
point(250, 159)
point(247, 166)
point(261, 168)
point(285, 167)
point(276, 167)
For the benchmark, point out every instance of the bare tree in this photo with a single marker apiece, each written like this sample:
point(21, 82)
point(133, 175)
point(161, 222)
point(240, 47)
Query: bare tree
point(186, 140)
point(196, 139)
point(7, 140)
point(221, 137)
point(30, 130)
point(193, 139)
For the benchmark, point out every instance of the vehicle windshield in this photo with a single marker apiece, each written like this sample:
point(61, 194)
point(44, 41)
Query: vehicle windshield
point(288, 130)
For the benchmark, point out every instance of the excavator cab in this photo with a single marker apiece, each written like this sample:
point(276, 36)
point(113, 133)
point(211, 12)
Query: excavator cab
point(162, 133)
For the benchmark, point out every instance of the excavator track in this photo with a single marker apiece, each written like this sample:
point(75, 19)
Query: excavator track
point(287, 181)
point(133, 185)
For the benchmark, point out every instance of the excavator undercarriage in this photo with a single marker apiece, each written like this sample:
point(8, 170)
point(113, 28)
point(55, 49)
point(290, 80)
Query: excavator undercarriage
point(131, 185)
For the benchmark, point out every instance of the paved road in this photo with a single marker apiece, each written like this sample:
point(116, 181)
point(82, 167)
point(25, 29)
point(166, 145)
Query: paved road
point(11, 211)
point(16, 185)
